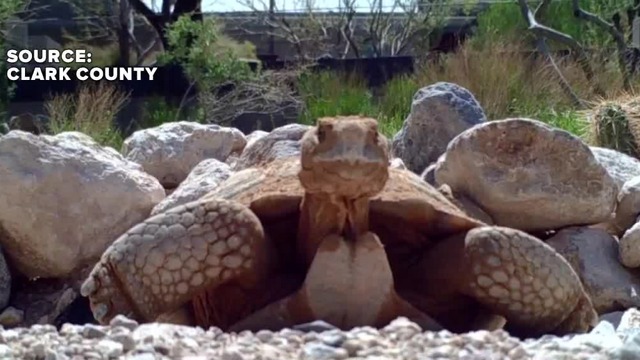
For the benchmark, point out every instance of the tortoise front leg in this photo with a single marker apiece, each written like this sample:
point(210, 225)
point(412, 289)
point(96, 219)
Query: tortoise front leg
point(349, 283)
point(163, 262)
point(526, 281)
point(511, 274)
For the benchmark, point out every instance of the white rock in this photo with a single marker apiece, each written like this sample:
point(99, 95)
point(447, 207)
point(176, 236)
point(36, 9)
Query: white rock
point(621, 167)
point(528, 175)
point(65, 199)
point(109, 348)
point(603, 336)
point(280, 143)
point(205, 177)
point(5, 352)
point(630, 320)
point(255, 136)
point(397, 163)
point(628, 206)
point(170, 151)
point(629, 247)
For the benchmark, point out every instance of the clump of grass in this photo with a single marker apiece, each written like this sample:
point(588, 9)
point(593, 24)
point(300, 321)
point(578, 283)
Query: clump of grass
point(327, 94)
point(91, 110)
point(501, 77)
point(395, 103)
point(506, 79)
point(615, 124)
point(157, 111)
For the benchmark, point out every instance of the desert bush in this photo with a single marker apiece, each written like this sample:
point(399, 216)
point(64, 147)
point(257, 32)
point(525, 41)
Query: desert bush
point(91, 110)
point(270, 92)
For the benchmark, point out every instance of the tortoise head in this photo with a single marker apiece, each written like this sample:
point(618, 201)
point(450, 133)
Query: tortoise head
point(344, 156)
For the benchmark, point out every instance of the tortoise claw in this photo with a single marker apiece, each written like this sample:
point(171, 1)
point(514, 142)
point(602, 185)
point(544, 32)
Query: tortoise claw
point(88, 287)
point(105, 298)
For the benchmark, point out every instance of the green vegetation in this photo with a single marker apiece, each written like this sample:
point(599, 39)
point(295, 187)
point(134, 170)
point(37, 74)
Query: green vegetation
point(504, 22)
point(328, 94)
point(92, 111)
point(197, 47)
point(616, 125)
point(507, 81)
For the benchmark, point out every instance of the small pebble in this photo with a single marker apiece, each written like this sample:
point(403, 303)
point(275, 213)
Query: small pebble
point(402, 339)
point(121, 320)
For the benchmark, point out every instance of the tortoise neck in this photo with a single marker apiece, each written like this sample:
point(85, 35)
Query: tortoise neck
point(323, 214)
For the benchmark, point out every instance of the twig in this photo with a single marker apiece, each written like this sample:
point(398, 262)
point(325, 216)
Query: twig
point(184, 99)
point(618, 38)
point(542, 32)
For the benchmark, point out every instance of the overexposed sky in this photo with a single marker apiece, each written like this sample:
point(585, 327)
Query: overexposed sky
point(283, 5)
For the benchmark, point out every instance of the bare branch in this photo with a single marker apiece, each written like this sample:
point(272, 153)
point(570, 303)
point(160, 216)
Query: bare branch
point(540, 33)
point(387, 31)
point(548, 33)
point(270, 93)
point(617, 35)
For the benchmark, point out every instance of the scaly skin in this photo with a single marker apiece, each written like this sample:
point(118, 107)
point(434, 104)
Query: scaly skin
point(160, 263)
point(217, 248)
point(526, 281)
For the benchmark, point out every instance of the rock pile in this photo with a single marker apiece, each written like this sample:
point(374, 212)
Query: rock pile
point(65, 199)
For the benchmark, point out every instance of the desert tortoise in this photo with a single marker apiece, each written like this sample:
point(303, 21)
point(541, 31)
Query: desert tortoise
point(334, 235)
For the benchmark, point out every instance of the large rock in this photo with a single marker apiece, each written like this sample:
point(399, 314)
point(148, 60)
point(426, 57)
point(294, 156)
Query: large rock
point(621, 167)
point(205, 177)
point(439, 112)
point(65, 199)
point(280, 143)
point(528, 175)
point(593, 254)
point(170, 151)
point(628, 207)
point(629, 247)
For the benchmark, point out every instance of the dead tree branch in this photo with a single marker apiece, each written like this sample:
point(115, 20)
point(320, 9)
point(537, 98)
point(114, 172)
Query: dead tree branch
point(541, 33)
point(548, 33)
point(617, 35)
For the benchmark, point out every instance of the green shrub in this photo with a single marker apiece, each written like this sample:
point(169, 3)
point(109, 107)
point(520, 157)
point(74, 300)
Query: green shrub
point(195, 45)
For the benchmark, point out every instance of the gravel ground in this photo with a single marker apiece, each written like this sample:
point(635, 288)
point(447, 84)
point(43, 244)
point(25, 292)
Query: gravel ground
point(125, 339)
